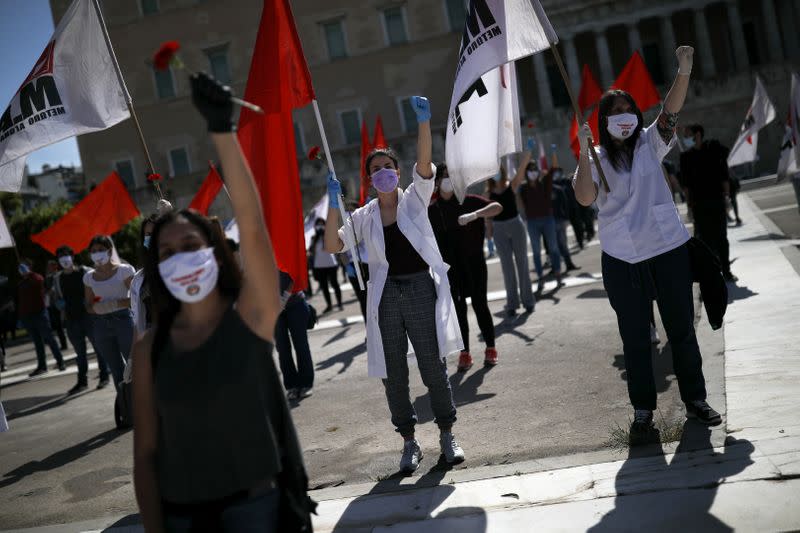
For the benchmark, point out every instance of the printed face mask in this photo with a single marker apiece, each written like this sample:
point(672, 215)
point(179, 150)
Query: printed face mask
point(100, 258)
point(190, 276)
point(65, 261)
point(623, 125)
point(446, 185)
point(385, 180)
point(688, 142)
point(146, 242)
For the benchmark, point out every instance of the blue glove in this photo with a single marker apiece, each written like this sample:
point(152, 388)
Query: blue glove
point(334, 190)
point(351, 270)
point(422, 107)
point(531, 144)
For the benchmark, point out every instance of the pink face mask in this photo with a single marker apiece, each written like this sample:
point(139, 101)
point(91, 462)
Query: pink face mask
point(385, 180)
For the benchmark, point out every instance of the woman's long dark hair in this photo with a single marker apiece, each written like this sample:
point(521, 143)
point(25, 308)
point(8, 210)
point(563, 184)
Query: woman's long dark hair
point(165, 307)
point(620, 156)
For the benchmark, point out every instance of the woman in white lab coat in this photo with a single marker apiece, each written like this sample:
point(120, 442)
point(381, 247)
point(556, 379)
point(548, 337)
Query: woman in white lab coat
point(408, 295)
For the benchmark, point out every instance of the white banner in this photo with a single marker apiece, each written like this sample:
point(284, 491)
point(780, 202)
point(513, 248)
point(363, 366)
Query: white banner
point(6, 241)
point(761, 113)
point(320, 210)
point(787, 164)
point(496, 32)
point(72, 89)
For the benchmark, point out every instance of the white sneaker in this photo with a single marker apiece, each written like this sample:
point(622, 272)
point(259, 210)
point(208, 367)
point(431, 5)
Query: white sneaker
point(412, 455)
point(305, 392)
point(452, 452)
point(654, 338)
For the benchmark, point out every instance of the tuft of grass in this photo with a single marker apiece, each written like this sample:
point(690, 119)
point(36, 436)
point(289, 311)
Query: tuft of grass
point(620, 438)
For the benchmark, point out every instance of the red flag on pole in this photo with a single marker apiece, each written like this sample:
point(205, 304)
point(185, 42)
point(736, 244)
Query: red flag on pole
point(380, 139)
point(590, 90)
point(365, 149)
point(573, 132)
point(103, 211)
point(279, 81)
point(635, 79)
point(208, 191)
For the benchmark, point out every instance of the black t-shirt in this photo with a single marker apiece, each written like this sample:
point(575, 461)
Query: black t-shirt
point(72, 290)
point(509, 203)
point(457, 241)
point(703, 172)
point(402, 257)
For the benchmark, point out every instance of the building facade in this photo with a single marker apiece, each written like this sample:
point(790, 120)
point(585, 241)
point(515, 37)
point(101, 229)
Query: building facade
point(367, 57)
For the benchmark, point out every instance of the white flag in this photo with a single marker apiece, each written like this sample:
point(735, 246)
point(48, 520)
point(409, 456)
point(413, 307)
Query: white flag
point(794, 116)
point(72, 89)
point(787, 164)
point(483, 124)
point(6, 241)
point(320, 210)
point(761, 113)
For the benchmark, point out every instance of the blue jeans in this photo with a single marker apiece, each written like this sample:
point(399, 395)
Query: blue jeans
point(294, 321)
point(536, 228)
point(78, 330)
point(258, 515)
point(112, 335)
point(38, 327)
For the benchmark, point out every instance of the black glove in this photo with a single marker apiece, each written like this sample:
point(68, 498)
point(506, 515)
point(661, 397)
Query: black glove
point(213, 100)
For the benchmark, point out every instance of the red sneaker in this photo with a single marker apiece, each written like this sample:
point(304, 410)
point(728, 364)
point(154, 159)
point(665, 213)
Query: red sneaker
point(464, 362)
point(491, 357)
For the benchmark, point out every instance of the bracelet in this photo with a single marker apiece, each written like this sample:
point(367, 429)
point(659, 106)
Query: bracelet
point(684, 73)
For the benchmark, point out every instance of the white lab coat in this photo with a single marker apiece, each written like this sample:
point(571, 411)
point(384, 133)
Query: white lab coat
point(412, 219)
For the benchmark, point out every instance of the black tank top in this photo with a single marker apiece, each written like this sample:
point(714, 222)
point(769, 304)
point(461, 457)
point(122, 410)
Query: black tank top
point(509, 203)
point(402, 257)
point(222, 416)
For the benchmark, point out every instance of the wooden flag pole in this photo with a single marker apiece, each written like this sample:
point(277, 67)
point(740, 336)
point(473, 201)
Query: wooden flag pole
point(354, 253)
point(128, 99)
point(578, 113)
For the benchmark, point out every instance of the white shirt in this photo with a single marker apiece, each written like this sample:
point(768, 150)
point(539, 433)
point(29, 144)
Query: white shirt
point(137, 305)
point(113, 288)
point(638, 219)
point(323, 259)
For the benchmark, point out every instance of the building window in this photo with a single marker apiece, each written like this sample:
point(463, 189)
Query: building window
point(334, 37)
point(124, 168)
point(299, 140)
point(218, 62)
point(557, 88)
point(149, 7)
point(407, 115)
point(456, 14)
point(395, 25)
point(165, 84)
point(351, 126)
point(179, 162)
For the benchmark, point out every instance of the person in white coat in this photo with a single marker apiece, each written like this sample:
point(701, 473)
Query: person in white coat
point(408, 295)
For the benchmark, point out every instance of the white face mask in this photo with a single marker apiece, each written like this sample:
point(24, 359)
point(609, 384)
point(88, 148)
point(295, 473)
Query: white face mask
point(100, 258)
point(446, 185)
point(533, 174)
point(623, 125)
point(190, 276)
point(688, 142)
point(65, 261)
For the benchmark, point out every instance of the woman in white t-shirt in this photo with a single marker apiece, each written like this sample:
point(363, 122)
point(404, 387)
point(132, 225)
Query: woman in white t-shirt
point(108, 300)
point(645, 255)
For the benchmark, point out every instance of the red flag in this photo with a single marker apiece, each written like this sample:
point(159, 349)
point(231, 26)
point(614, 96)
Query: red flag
point(380, 139)
point(590, 90)
point(543, 164)
point(279, 81)
point(103, 211)
point(208, 191)
point(573, 132)
point(365, 149)
point(636, 80)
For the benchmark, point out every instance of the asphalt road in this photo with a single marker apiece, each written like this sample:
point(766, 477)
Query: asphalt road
point(559, 390)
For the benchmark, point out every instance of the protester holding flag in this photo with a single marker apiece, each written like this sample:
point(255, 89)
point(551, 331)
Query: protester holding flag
point(325, 267)
point(205, 368)
point(645, 254)
point(409, 293)
point(33, 315)
point(460, 231)
point(509, 238)
point(108, 299)
point(53, 305)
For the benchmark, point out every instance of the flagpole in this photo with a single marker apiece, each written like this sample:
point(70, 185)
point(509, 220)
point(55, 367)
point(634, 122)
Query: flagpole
point(578, 113)
point(354, 254)
point(128, 99)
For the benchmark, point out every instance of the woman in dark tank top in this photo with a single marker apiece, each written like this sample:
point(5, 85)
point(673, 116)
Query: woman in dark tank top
point(214, 444)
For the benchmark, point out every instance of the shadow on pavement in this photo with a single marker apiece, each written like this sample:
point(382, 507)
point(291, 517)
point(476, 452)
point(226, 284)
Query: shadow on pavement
point(736, 292)
point(593, 293)
point(60, 458)
point(23, 407)
point(465, 392)
point(344, 358)
point(131, 521)
point(509, 325)
point(767, 237)
point(663, 371)
point(339, 336)
point(360, 515)
point(690, 484)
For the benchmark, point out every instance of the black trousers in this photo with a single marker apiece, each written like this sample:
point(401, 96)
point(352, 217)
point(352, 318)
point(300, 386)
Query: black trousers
point(361, 295)
point(631, 288)
point(711, 227)
point(57, 325)
point(469, 279)
point(328, 277)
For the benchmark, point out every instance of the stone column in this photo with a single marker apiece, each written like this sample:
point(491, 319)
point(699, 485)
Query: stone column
point(604, 55)
point(668, 47)
point(704, 44)
point(571, 60)
point(772, 33)
point(634, 38)
point(789, 28)
point(542, 84)
point(741, 58)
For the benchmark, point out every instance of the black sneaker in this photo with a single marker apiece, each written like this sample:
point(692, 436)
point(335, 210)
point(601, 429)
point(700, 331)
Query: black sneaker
point(703, 412)
point(37, 372)
point(511, 313)
point(103, 383)
point(642, 421)
point(730, 277)
point(78, 388)
point(62, 367)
